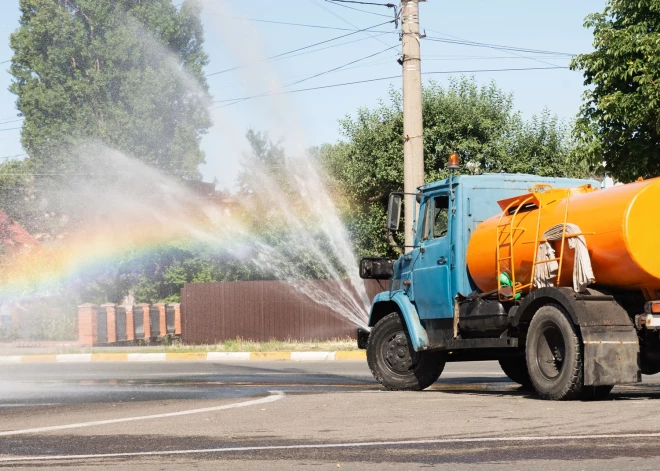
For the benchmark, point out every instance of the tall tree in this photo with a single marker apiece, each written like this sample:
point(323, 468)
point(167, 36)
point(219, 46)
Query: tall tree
point(618, 123)
point(126, 72)
point(478, 122)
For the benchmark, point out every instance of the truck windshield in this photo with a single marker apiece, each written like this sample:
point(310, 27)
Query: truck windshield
point(440, 216)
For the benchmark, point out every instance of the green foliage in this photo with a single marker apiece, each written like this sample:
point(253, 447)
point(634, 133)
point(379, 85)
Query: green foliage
point(618, 122)
point(126, 72)
point(478, 122)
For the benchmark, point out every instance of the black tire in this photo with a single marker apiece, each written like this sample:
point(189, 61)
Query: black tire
point(516, 369)
point(595, 393)
point(554, 355)
point(393, 361)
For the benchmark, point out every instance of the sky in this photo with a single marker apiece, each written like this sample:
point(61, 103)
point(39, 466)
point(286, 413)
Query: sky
point(310, 118)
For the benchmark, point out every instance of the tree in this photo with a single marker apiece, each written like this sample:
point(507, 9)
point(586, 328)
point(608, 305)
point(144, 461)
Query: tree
point(618, 123)
point(126, 72)
point(478, 122)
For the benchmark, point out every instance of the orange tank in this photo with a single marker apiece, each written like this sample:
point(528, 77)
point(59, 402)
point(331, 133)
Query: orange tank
point(620, 226)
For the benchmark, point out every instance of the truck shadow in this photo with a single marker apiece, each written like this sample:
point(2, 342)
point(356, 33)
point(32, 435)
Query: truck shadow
point(503, 387)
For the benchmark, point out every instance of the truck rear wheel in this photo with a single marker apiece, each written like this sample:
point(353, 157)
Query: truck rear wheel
point(554, 355)
point(516, 370)
point(393, 361)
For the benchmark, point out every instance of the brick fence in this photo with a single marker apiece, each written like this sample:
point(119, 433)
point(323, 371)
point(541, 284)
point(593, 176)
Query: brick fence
point(215, 312)
point(117, 324)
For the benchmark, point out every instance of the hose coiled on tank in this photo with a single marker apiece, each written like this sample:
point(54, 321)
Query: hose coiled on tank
point(546, 273)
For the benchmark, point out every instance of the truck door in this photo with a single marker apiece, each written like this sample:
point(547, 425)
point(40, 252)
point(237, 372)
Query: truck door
point(431, 280)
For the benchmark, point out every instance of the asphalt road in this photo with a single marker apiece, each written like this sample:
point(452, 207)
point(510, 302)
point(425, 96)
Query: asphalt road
point(287, 415)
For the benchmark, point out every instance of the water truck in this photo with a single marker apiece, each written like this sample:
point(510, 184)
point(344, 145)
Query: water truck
point(555, 278)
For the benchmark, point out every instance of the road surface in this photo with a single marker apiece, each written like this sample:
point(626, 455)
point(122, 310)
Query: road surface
point(316, 415)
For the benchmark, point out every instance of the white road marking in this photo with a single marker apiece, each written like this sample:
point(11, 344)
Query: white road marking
point(10, 359)
point(335, 445)
point(275, 396)
point(31, 405)
point(618, 342)
point(470, 373)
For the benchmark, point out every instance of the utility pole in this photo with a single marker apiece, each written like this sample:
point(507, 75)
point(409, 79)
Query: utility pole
point(413, 144)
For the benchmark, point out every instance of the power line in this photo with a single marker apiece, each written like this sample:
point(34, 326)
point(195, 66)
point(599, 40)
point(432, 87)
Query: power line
point(357, 9)
point(334, 69)
point(11, 121)
point(301, 48)
point(507, 51)
point(496, 46)
point(378, 62)
point(344, 19)
point(329, 47)
point(442, 72)
point(9, 129)
point(388, 5)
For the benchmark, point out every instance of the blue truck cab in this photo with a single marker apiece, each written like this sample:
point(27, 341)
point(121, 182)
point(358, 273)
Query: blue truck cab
point(414, 324)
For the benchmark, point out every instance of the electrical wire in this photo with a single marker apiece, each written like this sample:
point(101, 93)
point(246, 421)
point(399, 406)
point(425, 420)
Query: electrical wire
point(301, 48)
point(9, 129)
point(284, 23)
point(508, 52)
point(357, 9)
point(344, 19)
point(498, 47)
point(388, 5)
point(442, 72)
point(379, 62)
point(11, 121)
point(334, 69)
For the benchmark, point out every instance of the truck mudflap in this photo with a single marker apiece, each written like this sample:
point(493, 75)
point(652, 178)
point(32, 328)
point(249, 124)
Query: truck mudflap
point(611, 355)
point(383, 305)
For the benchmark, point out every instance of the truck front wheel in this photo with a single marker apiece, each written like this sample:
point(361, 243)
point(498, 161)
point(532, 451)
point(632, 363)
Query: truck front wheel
point(393, 361)
point(554, 355)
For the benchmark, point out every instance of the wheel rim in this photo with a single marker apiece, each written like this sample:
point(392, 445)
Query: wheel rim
point(550, 352)
point(398, 356)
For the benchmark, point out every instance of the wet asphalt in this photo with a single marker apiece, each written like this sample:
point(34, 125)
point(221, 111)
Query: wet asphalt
point(326, 415)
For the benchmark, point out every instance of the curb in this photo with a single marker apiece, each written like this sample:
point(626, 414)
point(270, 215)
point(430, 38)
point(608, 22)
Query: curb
point(193, 356)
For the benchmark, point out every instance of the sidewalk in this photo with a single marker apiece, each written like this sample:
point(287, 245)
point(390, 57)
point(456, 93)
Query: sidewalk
point(359, 355)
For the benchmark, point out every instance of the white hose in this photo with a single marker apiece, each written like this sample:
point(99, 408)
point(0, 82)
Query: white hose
point(546, 273)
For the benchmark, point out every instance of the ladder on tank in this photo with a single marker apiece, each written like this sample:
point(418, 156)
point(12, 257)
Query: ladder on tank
point(541, 195)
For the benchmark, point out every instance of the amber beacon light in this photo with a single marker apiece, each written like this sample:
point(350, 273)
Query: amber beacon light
point(454, 161)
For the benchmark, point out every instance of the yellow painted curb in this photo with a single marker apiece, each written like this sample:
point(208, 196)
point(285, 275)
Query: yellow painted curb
point(270, 356)
point(361, 355)
point(39, 359)
point(109, 357)
point(195, 356)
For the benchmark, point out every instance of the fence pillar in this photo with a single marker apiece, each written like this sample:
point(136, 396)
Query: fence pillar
point(143, 310)
point(161, 328)
point(130, 323)
point(177, 318)
point(87, 328)
point(111, 319)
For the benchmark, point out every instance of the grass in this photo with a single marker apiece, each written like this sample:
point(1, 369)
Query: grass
point(236, 345)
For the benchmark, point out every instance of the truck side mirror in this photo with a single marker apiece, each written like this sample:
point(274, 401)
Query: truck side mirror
point(394, 212)
point(376, 269)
